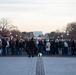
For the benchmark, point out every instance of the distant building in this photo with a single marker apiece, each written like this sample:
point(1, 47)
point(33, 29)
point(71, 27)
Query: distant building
point(30, 34)
point(35, 34)
point(46, 36)
point(38, 34)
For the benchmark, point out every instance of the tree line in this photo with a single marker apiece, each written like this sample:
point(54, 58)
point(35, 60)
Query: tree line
point(7, 28)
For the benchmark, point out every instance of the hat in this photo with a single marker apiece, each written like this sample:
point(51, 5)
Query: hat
point(39, 54)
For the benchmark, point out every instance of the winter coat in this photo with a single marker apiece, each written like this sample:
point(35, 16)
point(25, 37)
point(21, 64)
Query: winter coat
point(48, 46)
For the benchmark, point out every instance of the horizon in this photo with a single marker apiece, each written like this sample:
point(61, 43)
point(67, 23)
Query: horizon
point(39, 15)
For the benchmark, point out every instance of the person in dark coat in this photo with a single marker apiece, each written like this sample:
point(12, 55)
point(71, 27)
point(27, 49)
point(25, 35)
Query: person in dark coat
point(16, 46)
point(31, 47)
point(53, 47)
point(73, 47)
point(40, 46)
point(21, 47)
point(60, 47)
point(12, 46)
point(4, 43)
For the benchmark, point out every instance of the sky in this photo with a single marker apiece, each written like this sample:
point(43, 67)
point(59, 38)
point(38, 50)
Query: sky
point(39, 15)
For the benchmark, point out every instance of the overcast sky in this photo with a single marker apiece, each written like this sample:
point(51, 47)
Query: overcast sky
point(39, 15)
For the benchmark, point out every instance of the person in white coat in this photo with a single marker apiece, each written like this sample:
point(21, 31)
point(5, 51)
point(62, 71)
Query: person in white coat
point(7, 47)
point(48, 47)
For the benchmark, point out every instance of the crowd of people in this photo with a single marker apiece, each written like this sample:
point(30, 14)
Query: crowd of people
point(32, 47)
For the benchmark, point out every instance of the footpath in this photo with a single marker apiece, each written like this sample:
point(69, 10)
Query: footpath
point(46, 65)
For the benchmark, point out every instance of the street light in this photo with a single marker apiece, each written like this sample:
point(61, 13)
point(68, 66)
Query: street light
point(61, 36)
point(67, 34)
point(16, 35)
point(20, 36)
point(0, 29)
point(58, 37)
point(10, 33)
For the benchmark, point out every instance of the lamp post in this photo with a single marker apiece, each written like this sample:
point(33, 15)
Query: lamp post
point(0, 29)
point(20, 36)
point(16, 35)
point(11, 36)
point(67, 35)
point(10, 33)
point(58, 37)
point(62, 36)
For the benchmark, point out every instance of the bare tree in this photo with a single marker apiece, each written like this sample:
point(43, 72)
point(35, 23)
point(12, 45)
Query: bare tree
point(71, 29)
point(6, 26)
point(15, 33)
point(57, 31)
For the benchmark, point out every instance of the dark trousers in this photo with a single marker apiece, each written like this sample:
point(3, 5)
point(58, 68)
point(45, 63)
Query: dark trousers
point(31, 52)
point(3, 50)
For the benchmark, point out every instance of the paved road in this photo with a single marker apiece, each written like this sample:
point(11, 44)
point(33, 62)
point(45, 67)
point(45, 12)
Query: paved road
point(29, 66)
point(59, 65)
point(18, 66)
